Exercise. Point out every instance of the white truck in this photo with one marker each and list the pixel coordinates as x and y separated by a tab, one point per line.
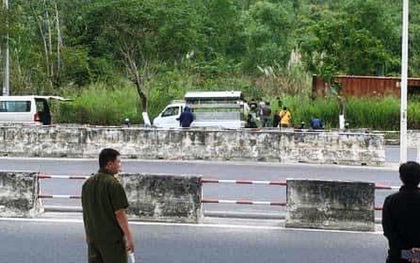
221	109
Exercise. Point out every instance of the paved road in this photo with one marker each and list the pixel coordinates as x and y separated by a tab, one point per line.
218	170
63	242
392	154
217	240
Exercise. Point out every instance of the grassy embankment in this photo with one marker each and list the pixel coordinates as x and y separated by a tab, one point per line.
94	106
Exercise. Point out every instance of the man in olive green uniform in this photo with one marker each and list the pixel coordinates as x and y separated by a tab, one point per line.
104	203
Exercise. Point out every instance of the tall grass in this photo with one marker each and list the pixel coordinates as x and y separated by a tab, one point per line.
372	113
304	109
375	113
99	104
102	104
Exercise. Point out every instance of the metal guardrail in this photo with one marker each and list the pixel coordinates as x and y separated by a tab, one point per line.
205	181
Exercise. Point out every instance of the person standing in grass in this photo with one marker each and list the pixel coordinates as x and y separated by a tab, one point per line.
285	117
104	203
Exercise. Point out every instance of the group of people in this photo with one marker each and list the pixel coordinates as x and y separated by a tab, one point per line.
260	116
281	119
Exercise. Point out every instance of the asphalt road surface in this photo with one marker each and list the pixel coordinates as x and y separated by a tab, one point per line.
215	170
62	241
59	237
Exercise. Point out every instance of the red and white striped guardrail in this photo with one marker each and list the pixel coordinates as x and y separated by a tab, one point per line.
241	202
386	187
208	181
282	183
73	177
215	181
60	196
243	182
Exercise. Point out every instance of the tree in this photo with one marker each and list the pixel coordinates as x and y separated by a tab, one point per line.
352	41
135	34
266	28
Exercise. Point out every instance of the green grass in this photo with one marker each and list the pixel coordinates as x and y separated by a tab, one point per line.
372	113
101	104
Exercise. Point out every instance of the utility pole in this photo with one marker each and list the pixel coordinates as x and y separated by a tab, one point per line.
404	76
6	66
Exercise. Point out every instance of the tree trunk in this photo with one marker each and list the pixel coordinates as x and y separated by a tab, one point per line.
44	41
143	98
59	46
139	85
132	68
48	23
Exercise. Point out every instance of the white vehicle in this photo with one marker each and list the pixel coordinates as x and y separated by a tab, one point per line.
26	109
223	109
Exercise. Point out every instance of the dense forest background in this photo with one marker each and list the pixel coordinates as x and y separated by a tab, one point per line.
160	48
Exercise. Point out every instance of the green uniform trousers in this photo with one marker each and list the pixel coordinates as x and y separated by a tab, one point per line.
107	253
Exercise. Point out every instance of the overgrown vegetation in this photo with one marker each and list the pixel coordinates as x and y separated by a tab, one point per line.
92	105
118	58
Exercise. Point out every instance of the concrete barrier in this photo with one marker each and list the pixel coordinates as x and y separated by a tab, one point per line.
164	197
413	137
330	205
19	194
194	144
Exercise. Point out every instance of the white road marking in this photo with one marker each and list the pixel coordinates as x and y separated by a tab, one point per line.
203	225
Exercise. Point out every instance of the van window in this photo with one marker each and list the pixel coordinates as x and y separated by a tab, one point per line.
171	111
15	106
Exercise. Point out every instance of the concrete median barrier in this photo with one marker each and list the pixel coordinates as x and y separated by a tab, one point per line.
19	194
164	197
194	144
330	205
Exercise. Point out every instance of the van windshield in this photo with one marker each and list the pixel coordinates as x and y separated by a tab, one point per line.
15	106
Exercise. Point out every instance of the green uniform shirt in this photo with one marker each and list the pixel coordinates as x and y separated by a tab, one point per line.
102	195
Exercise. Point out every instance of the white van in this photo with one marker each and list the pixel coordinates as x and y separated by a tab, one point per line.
223	109
26	109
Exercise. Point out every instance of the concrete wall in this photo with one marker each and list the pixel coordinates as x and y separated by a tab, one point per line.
18	194
330	205
413	137
163	197
194	144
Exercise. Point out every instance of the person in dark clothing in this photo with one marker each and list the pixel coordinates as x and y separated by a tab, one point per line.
401	214
276	119
266	114
316	124
250	122
104	204
186	118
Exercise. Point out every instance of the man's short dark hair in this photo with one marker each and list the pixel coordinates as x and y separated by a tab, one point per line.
410	173
107	155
